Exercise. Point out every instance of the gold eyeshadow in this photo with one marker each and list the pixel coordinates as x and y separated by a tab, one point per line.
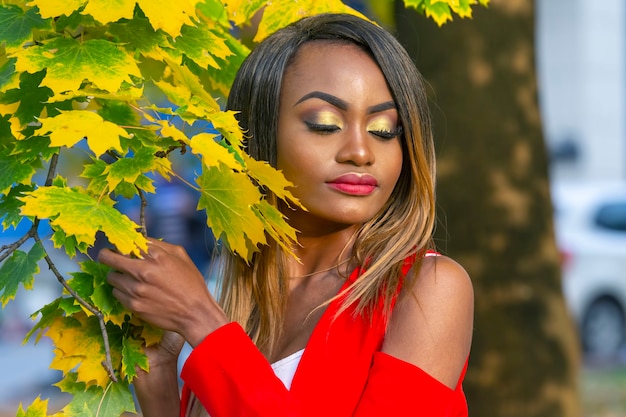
382	124
327	118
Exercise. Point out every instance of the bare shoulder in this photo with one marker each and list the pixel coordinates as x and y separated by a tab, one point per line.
431	325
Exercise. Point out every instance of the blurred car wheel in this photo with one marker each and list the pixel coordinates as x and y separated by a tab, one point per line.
602	329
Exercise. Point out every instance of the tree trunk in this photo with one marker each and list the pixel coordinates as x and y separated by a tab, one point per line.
495	213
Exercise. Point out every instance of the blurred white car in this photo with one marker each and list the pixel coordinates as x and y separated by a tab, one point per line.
590	225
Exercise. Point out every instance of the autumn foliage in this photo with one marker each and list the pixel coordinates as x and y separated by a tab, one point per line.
120	85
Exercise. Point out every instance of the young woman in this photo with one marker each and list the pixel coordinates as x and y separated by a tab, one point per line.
369	321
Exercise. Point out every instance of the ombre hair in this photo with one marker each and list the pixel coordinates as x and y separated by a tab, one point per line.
255	294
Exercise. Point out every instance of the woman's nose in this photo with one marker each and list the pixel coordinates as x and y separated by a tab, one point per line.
356	148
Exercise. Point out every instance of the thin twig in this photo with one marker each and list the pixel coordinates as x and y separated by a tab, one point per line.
142	211
107	363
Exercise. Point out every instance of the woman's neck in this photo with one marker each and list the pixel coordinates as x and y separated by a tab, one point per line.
319	253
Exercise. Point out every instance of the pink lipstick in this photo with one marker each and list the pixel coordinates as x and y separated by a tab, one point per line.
354	184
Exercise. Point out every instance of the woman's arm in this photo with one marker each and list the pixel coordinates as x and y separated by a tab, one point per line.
157	391
432	323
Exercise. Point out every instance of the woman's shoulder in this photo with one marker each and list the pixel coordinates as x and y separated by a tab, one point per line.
431	325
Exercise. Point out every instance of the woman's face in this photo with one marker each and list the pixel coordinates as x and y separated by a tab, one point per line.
338	136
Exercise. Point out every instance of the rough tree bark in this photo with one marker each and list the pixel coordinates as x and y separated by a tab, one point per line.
494	206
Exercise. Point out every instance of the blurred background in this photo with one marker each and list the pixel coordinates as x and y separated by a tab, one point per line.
580	64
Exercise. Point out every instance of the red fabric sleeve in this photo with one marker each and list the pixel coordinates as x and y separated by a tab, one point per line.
398	388
231	378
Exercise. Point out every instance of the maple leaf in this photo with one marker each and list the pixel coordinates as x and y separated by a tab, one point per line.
105	11
30	96
276	225
78	346
110	400
54	8
97	60
81	215
202	45
10	205
226	123
17	25
38	408
130	169
133	357
280	13
137	35
270	177
14	170
227	198
20	268
212	152
220	80
70	127
240	11
169	15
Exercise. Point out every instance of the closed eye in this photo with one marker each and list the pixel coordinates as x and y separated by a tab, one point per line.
387	134
322	128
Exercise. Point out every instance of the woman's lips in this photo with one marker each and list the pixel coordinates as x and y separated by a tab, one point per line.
354	184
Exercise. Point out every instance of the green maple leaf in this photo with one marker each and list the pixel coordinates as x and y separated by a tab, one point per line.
7	71
130	169
227	198
137	35
15	170
112	401
133	357
70	127
37	408
82	215
241	11
30	95
219	80
202	45
17	25
214	11
10	205
20	268
69	62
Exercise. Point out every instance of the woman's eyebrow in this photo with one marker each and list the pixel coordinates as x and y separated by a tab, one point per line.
389	105
343	105
329	98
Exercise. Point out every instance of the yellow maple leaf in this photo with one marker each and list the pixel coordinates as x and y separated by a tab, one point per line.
280	13
55	8
212	153
69	127
79	214
271	178
38	408
169	15
79	347
105	11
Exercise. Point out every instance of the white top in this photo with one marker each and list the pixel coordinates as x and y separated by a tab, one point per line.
285	368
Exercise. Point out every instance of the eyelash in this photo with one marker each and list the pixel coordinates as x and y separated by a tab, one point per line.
322	128
328	129
386	134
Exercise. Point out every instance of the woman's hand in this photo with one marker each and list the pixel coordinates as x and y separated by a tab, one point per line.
165	289
157	390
